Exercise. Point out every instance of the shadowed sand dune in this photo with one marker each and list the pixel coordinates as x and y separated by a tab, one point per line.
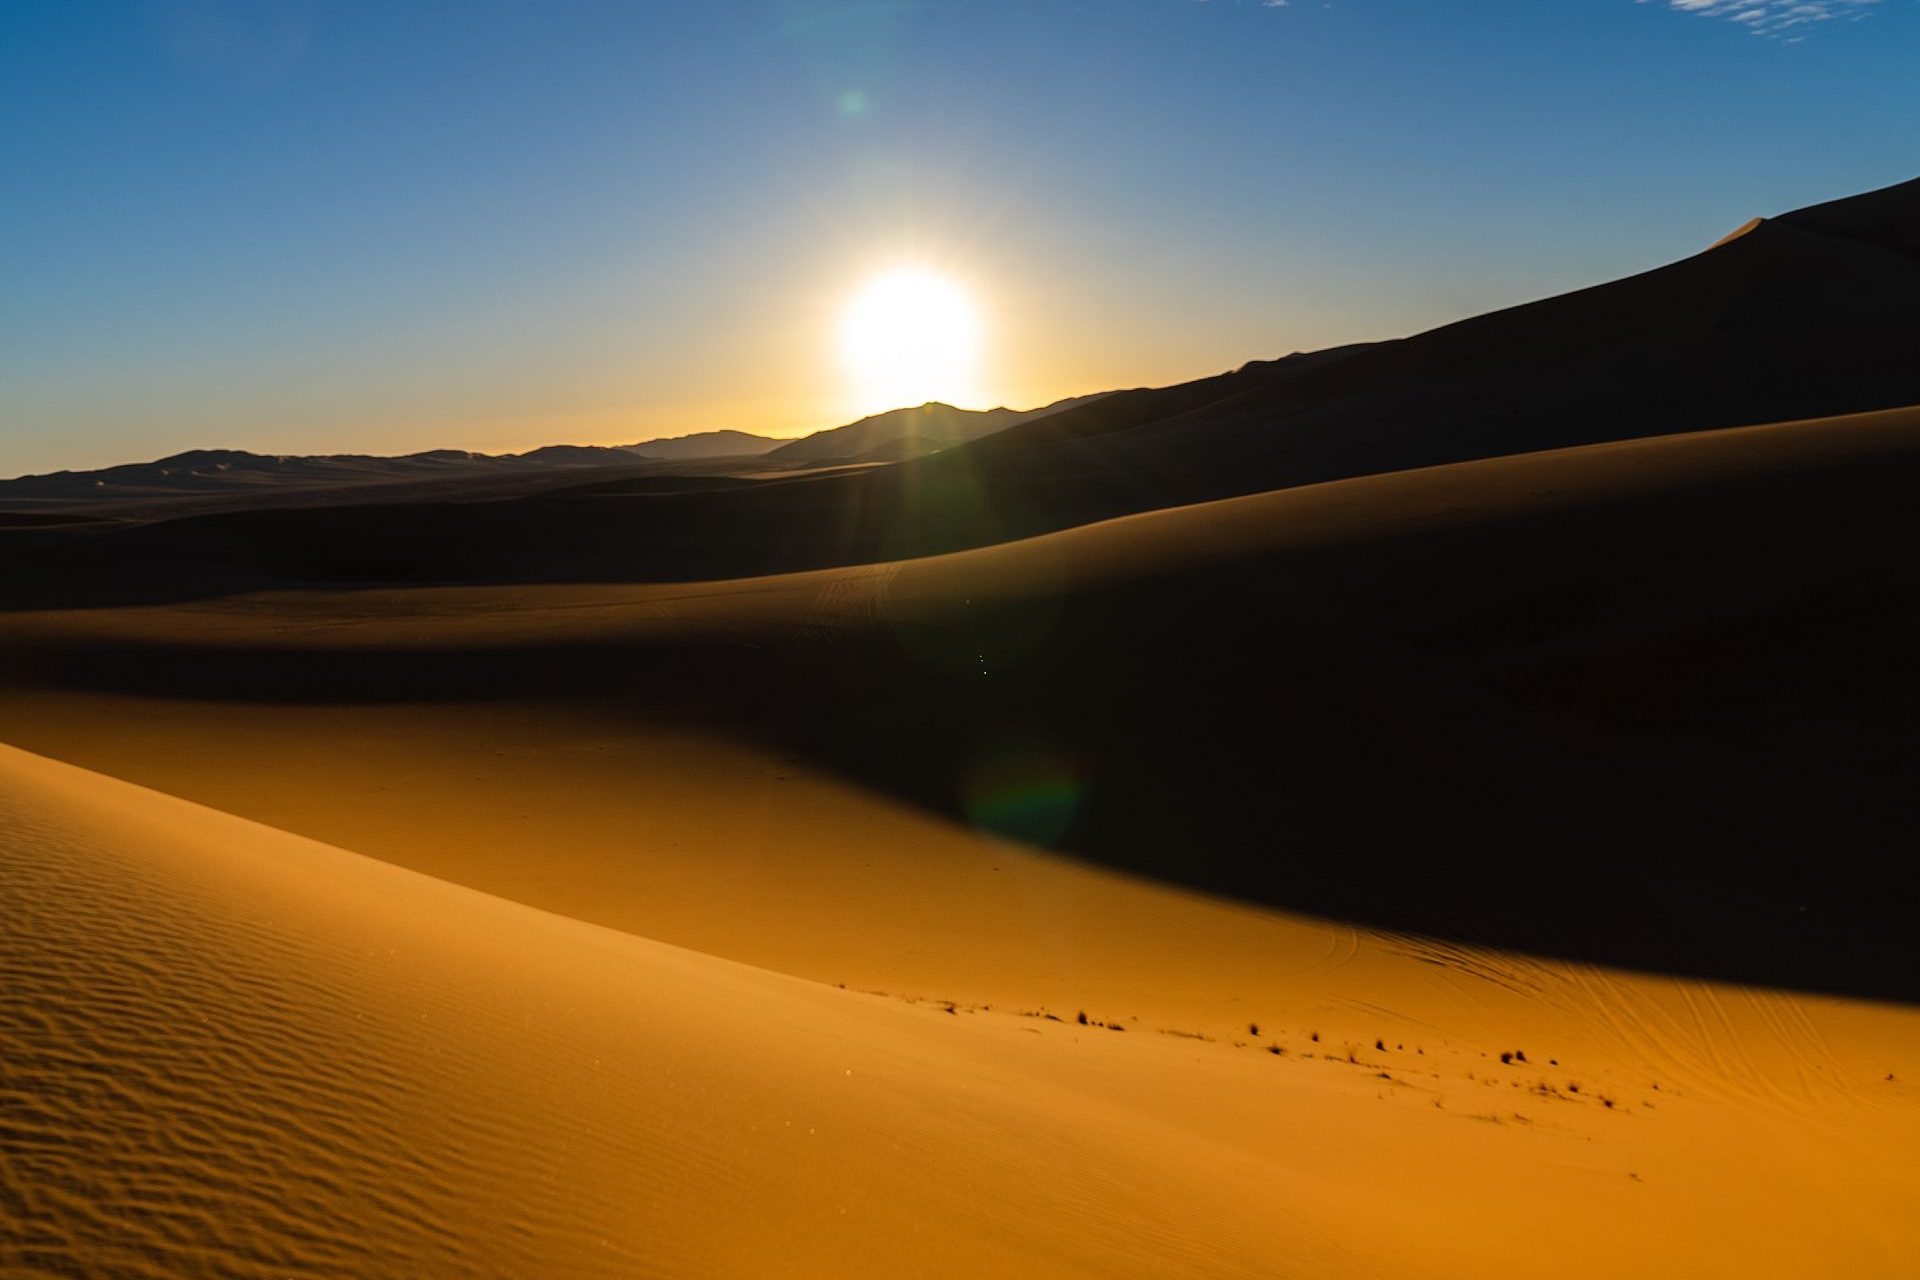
1643	704
234	1052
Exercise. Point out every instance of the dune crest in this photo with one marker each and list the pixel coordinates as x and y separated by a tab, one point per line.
1745	228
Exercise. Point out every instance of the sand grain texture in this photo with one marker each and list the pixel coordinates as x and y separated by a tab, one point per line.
234	1052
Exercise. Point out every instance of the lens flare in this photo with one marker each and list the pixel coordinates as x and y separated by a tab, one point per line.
1024	789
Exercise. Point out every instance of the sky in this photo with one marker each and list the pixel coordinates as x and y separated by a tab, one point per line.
297	226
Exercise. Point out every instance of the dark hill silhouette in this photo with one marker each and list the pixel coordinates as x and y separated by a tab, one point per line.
226	471
907	433
1809	314
886	437
706	444
1889	217
576	455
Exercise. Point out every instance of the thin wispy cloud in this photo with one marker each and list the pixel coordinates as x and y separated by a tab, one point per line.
1783	19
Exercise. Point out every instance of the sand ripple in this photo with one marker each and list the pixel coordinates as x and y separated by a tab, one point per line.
184	1091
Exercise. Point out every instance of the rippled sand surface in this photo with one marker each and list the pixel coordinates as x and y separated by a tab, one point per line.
228	1051
233	1052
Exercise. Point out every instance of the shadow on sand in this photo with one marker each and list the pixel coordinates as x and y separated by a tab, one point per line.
1671	733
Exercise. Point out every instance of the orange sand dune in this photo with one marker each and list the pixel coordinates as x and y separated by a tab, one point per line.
231	1051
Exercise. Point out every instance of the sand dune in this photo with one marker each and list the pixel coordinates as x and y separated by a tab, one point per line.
235	1052
232	1052
683	932
1540	705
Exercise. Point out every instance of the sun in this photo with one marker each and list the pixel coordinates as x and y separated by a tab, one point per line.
909	336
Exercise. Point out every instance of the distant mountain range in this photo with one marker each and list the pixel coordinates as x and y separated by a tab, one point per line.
706	444
228	470
885	437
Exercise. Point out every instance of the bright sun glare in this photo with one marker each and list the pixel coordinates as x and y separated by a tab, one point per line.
910	336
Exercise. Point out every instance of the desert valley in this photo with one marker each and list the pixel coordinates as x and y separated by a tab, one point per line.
1435	807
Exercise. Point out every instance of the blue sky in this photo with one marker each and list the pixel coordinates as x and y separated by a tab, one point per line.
299	226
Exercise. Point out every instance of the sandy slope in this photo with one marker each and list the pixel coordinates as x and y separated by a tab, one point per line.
638	755
236	1052
231	1051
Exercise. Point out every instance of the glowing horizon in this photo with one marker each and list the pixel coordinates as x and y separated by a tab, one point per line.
910	335
293	228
